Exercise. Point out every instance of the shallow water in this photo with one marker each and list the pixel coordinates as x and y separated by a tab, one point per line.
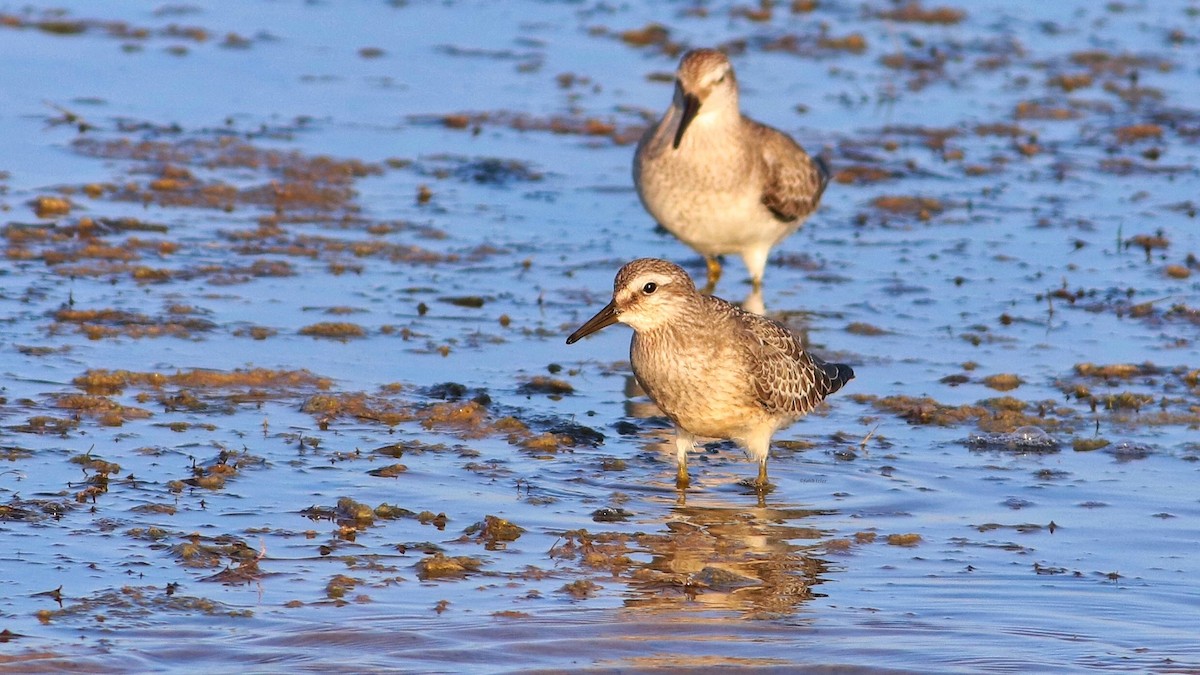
248	307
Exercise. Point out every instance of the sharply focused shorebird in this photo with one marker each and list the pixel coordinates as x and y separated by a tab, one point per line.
719	181
713	368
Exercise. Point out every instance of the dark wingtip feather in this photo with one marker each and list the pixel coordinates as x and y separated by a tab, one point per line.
824	175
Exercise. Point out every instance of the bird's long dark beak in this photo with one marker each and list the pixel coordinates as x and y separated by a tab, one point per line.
603	319
691	106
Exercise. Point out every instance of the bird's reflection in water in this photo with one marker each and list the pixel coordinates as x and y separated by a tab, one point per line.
753	302
758	561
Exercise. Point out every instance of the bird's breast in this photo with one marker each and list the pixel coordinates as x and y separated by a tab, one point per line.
699	383
708	191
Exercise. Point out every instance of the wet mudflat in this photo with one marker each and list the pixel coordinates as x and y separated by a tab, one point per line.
286	286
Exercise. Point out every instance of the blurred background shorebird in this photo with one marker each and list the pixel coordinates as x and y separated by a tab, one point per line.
716	179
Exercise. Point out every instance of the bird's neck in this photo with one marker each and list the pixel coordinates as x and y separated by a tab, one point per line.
710	123
670	326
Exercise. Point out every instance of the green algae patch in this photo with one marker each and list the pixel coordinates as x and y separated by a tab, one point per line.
50	206
839	545
1089	444
613	464
255	332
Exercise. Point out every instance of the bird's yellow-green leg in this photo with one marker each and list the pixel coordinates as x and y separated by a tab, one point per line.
684	443
756	264
714	273
681	478
758	446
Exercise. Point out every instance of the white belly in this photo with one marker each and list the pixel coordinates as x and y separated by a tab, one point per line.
715	208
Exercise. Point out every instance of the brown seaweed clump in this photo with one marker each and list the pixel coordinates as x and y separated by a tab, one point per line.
494	532
1002	381
922	208
913	12
107	412
51	207
329	407
1136	394
334	330
1003	414
98	324
549	386
249	382
205	552
213	474
441	566
591	127
299	183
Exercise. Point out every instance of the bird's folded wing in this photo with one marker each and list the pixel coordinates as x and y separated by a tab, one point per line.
794	181
784	377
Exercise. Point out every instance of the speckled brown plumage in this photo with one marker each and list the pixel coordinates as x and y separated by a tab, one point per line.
794	181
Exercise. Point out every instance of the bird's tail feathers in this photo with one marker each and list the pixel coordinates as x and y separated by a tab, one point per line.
838	373
823	173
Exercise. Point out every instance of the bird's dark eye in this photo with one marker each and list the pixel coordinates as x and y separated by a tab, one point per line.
721	80
650	287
